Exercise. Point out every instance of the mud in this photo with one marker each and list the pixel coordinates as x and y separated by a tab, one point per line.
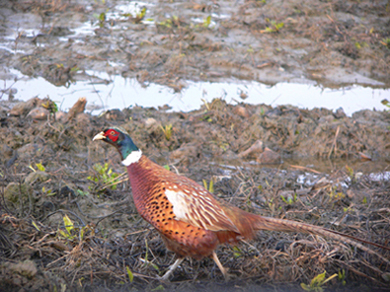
333	43
67	219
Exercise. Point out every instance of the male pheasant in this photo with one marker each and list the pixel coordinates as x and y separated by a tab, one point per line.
191	221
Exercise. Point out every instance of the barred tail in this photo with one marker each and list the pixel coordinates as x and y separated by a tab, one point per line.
274	224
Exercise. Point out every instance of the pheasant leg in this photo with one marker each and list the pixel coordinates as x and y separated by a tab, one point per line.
172	268
223	270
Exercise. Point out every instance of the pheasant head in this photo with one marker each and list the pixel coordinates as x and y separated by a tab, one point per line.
117	137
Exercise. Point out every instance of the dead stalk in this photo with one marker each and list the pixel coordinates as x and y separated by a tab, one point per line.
333	148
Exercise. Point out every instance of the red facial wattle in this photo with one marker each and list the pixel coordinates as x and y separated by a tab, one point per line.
112	135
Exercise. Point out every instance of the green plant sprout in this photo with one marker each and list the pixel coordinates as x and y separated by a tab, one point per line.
104	175
336	195
71	232
81	193
317	282
167	130
350	171
51	106
341	277
39	166
146	261
237	252
386	103
169	22
102	19
275	27
48	192
207	21
166	23
289	200
138	17
209	187
386	42
130	274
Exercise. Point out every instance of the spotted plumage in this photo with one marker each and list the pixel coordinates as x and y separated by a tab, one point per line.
191	221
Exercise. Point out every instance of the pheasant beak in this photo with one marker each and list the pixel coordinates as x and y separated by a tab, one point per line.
99	136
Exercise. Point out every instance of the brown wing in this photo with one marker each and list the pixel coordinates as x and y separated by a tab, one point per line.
194	205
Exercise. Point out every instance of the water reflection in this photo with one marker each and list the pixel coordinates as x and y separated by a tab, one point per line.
105	91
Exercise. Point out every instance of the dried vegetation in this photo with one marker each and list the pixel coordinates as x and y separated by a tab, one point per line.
45	176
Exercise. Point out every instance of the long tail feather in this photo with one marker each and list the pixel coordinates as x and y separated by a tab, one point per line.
274	224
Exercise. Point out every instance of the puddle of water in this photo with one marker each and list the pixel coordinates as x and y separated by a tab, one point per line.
121	93
28	33
10	50
86	28
374	170
121	12
199	20
382	176
310	170
309	179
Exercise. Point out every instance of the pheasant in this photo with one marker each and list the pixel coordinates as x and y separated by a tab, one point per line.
190	220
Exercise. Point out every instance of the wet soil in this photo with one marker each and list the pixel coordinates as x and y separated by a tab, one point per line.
67	219
332	43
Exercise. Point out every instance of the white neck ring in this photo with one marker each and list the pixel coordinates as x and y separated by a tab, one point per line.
133	157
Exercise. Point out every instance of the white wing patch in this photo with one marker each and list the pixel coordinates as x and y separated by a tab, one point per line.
199	209
178	202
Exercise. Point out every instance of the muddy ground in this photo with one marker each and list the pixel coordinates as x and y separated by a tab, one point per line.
317	166
51	168
334	43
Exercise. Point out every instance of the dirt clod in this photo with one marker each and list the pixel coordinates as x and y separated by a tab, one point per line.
26	268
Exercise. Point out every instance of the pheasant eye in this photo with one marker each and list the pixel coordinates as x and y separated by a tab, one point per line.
113	135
